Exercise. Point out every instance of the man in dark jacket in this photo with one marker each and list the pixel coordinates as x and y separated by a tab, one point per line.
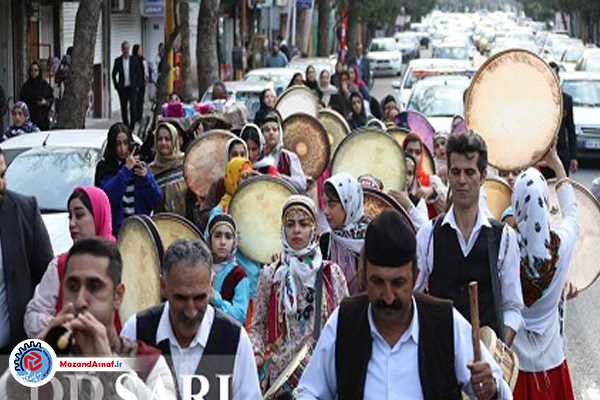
127	77
25	252
362	63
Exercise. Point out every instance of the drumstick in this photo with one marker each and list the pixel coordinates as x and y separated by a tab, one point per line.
473	297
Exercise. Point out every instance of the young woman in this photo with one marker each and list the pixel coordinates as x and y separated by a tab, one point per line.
267	104
129	184
167	168
289	289
39	96
235	169
236	147
230	284
255	142
21	122
297	79
344	211
311	81
358	116
417	207
357	84
440	139
326	87
89	216
545	257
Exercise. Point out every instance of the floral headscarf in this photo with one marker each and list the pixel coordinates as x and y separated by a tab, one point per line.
173	160
233	173
537	243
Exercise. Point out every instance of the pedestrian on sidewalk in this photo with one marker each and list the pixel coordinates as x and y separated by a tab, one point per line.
38	95
127	73
141	89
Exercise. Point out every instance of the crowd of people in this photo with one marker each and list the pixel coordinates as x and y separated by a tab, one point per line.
383	304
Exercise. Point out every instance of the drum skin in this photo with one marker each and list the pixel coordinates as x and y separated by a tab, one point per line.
515	103
205	161
298	98
304	135
371	152
141	251
584	268
375	202
290	377
256	208
336	126
173	226
499	196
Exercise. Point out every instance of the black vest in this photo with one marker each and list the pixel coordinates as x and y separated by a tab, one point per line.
436	348
452	273
218	357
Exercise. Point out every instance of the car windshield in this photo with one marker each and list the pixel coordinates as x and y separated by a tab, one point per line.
455	53
251	100
439	100
584	93
383	46
64	169
573	54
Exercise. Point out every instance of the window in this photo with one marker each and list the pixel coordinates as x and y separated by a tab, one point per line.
120	6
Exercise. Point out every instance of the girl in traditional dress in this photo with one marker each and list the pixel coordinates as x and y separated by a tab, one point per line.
289	289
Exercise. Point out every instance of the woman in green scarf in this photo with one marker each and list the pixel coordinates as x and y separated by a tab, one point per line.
167	168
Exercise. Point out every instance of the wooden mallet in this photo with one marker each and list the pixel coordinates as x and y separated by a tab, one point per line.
474	300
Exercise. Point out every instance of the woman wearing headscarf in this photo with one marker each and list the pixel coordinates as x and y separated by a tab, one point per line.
358	117
291	289
89	216
21	122
344	210
38	95
255	142
129	184
326	87
297	79
431	187
357	84
230	283
311	81
546	253
167	168
267	104
236	168
440	139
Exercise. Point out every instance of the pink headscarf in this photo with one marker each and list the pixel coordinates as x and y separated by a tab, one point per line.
100	210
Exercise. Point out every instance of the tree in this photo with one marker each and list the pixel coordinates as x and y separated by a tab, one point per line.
74	104
183	21
324	11
206	49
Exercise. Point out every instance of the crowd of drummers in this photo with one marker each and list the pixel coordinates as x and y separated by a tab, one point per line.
353	306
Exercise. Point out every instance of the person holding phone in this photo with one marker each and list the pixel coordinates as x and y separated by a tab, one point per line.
129	184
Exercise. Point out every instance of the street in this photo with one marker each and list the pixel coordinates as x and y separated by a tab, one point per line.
582	345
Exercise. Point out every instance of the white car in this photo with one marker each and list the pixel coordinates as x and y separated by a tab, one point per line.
409	45
589	61
320	64
439	98
280	78
572	55
243	92
584	88
385	57
424	67
49	165
453	50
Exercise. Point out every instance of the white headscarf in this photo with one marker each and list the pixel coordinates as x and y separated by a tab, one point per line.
352	234
271	159
530	205
298	268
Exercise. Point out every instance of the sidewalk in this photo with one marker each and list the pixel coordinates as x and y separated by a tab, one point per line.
102	123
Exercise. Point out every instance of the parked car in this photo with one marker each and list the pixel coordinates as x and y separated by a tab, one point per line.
49	165
584	87
440	98
278	77
572	55
320	63
385	57
425	67
409	45
589	61
243	92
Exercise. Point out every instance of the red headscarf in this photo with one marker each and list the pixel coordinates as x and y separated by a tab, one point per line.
358	81
422	176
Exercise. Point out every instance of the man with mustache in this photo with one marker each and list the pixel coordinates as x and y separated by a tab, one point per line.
391	343
196	338
465	245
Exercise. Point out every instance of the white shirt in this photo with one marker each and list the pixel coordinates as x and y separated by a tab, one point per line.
297	177
127	81
186	359
508	262
539	344
4	319
419	215
393	372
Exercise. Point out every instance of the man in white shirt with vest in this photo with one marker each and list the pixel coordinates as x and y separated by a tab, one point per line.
393	344
207	351
465	245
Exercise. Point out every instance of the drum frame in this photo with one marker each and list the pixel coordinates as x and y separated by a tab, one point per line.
323	134
391	202
293	89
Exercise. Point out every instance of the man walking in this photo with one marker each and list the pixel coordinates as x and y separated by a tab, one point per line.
127	77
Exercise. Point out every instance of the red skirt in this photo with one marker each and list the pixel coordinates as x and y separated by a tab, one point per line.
555	384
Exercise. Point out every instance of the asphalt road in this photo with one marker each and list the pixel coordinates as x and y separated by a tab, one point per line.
583	320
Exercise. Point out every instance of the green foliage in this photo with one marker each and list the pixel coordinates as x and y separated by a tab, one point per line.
382	14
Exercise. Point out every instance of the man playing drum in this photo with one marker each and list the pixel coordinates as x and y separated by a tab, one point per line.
196	338
394	343
464	245
292	289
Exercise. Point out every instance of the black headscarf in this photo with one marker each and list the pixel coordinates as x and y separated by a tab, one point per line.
313	85
110	164
357	120
294	78
264	109
33	90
